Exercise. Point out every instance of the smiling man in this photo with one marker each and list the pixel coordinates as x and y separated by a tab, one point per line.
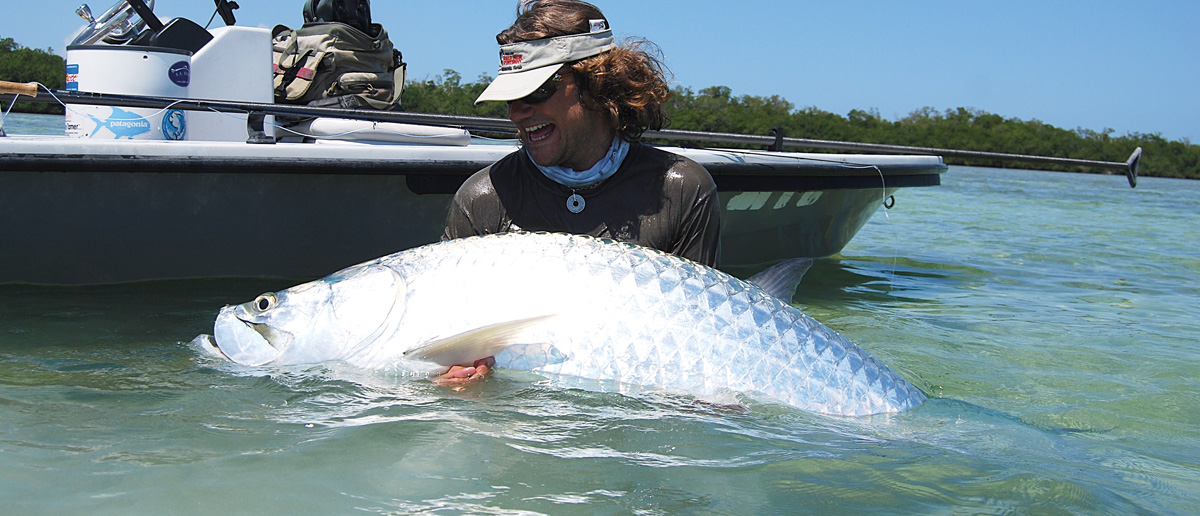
581	103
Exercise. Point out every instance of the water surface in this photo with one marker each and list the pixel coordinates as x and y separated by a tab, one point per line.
32	123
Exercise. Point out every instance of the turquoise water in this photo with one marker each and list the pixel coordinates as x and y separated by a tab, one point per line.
29	123
1050	317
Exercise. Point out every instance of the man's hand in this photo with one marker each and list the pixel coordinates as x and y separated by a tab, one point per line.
458	376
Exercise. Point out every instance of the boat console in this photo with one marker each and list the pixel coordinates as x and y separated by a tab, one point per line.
129	51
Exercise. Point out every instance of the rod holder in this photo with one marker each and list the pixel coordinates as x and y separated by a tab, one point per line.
255	122
777	132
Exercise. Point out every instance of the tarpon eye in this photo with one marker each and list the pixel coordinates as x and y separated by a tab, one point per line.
264	302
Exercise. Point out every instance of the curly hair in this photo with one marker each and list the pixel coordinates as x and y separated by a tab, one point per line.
629	82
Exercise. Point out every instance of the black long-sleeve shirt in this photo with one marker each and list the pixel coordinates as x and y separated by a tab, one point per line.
656	199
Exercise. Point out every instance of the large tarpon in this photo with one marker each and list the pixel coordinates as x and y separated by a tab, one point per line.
580	310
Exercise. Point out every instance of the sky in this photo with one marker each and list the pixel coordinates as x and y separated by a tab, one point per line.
1132	67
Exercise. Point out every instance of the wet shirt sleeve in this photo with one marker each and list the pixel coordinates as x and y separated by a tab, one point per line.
698	226
475	209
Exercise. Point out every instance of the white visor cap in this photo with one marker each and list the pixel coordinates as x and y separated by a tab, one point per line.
526	65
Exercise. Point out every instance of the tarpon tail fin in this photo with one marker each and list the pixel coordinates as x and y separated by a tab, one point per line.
780	280
467	347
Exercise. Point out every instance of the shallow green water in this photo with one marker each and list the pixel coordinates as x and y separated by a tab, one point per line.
1051	317
29	123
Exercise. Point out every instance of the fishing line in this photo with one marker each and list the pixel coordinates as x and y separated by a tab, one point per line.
887	215
5	114
211	18
168	107
374	125
891	279
846	164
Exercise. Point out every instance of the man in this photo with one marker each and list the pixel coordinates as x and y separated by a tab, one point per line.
580	104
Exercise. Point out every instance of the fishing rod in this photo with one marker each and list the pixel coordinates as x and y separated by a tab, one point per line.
55	96
777	142
257	111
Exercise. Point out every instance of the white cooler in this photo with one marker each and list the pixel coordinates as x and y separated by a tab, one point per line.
127	70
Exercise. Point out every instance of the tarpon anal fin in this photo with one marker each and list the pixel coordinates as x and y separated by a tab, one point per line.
467	347
780	280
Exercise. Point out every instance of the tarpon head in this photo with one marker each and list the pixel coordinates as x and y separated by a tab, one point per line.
313	322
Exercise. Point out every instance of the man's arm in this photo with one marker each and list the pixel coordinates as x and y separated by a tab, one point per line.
474	210
699	235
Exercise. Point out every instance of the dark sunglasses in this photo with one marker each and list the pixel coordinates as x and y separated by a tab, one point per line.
545	91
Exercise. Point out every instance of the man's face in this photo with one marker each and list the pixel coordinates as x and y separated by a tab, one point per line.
560	131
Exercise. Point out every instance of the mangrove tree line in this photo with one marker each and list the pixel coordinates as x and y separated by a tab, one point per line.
20	64
717	109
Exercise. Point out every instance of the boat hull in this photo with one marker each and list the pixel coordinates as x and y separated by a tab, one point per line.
77	214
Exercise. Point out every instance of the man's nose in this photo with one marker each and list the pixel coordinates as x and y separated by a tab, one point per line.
518	110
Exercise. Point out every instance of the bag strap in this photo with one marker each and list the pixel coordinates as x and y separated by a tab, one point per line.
398	77
286	75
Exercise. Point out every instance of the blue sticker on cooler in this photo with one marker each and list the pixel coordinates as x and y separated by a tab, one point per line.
174	125
122	124
73	77
180	73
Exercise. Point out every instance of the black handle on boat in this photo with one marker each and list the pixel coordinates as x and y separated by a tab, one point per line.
1130	166
226	8
146	14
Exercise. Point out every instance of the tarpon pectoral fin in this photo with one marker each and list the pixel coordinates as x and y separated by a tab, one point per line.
467	347
780	280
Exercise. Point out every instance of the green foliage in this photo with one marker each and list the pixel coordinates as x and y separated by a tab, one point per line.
20	64
447	95
717	109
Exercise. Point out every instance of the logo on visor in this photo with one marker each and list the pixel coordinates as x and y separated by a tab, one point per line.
511	60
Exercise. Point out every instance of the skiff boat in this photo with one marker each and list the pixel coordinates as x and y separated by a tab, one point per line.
170	166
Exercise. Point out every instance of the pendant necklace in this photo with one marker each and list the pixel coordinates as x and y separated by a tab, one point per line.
603	169
575	202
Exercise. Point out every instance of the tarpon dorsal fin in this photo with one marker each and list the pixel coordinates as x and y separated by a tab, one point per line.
467	347
780	280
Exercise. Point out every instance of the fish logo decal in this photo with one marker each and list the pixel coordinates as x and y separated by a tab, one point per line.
122	124
174	125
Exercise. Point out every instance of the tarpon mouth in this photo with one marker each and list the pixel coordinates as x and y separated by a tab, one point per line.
279	340
207	344
238	338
